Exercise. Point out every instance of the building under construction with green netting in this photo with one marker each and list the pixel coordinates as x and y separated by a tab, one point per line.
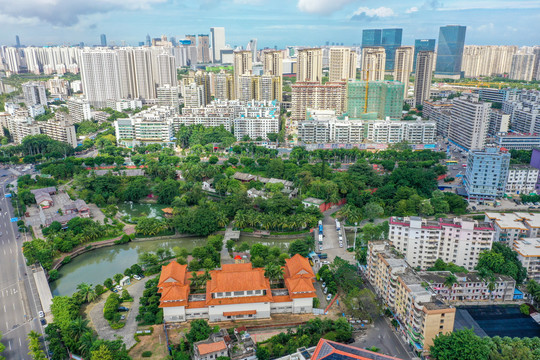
384	98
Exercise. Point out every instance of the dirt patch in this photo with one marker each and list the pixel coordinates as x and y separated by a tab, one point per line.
156	343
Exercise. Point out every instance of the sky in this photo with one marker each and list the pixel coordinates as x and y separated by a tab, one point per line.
273	22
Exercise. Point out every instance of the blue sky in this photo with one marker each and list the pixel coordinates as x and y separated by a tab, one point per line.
272	22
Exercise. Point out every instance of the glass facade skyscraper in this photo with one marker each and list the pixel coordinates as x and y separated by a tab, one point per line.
385	99
391	40
422	45
103	38
371	37
450	50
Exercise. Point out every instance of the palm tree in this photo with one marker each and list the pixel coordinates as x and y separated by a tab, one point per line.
77	328
491	286
84	290
273	272
85	343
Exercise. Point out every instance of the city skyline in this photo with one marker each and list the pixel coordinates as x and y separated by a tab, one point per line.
301	22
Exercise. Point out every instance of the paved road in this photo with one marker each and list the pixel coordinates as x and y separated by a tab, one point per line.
19	302
102	326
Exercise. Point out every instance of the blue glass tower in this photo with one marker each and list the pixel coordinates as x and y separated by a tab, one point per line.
391	40
371	37
422	45
103	40
450	50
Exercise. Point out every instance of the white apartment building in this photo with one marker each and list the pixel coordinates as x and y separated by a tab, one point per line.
521	179
79	109
224	86
309	65
256	125
20	127
523	67
34	93
58	87
498	122
60	130
528	250
168	96
193	95
391	132
342	64
517	141
403	66
324	127
154	125
470	122
481	60
124	104
36	110
510	227
456	240
312	95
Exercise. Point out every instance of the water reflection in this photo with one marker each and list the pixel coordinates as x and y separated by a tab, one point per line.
97	265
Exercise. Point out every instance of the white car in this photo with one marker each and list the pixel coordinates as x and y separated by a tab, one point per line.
118	287
323	284
329	297
320	247
41	314
341	244
136	277
325	290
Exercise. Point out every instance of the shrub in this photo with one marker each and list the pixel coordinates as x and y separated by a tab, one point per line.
118	325
111	306
53	275
525	309
146	354
66	260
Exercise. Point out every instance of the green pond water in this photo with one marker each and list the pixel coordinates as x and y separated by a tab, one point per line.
97	265
137	210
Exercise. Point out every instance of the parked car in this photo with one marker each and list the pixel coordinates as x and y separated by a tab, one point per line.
43	322
324	284
341	244
114	290
136	277
118	287
123	308
41	314
328	297
123	317
325	290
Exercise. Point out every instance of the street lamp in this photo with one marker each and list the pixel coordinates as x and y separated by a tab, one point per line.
355	230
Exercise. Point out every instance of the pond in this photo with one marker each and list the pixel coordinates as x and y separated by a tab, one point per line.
132	210
97	265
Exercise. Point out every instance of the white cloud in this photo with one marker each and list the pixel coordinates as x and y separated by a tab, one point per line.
67	12
364	13
323	7
411	10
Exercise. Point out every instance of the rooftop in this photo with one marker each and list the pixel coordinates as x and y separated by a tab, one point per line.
507	220
208	348
331	350
528	247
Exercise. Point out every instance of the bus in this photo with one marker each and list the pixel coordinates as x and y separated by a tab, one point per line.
450	162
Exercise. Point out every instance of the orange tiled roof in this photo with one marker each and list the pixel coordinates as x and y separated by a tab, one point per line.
211	348
237	277
173	271
235	313
282	298
299	285
298	266
175	293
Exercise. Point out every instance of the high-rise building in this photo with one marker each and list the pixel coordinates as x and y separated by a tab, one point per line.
391	40
424	73
423	241
224	86
168	96
166	70
204	48
487	173
252	46
243	65
204	79
79	109
313	95
384	99
403	66
271	88
34	93
371	37
522	67
470	122
450	51
148	40
487	60
103	38
422	45
192	39
17	41
218	42
340	67
309	65
373	63
272	62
